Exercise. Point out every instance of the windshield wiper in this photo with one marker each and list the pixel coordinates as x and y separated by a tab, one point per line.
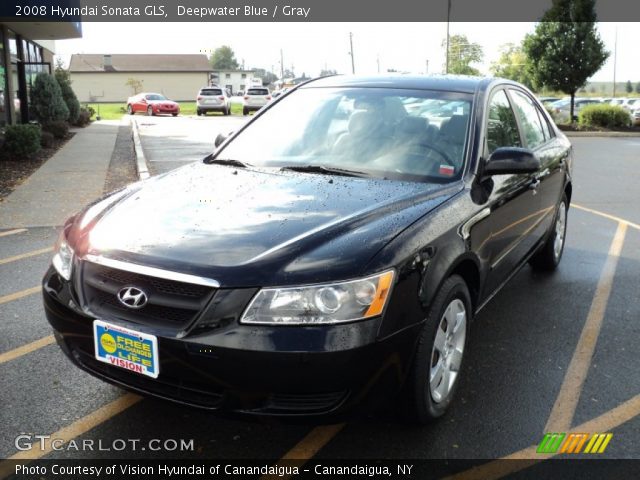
324	170
225	161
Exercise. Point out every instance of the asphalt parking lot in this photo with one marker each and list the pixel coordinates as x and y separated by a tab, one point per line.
550	353
169	142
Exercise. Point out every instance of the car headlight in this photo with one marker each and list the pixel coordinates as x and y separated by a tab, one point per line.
321	304
63	256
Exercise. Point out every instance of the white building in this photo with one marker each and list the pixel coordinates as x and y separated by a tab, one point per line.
234	80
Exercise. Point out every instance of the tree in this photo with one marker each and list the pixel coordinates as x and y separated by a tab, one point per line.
223	58
565	49
266	77
638	87
512	64
629	87
68	95
136	84
61	73
47	103
462	54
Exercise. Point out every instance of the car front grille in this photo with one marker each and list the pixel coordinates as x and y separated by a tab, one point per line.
171	304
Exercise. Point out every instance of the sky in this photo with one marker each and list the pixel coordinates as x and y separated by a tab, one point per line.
311	47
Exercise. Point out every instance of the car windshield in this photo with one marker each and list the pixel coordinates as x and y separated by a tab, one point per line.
411	135
210	92
258	91
155	96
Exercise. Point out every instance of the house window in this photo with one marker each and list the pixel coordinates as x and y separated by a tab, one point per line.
227	75
244	75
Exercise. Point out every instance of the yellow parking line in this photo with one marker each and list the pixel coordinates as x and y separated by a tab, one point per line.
23	350
22	293
25	255
606	215
565	405
77	428
528	456
12	232
307	448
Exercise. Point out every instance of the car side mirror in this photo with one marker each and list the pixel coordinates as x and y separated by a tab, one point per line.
221	138
144	100
511	160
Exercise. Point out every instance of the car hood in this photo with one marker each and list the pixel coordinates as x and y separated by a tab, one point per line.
245	227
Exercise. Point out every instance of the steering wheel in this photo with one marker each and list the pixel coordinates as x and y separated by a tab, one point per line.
440	152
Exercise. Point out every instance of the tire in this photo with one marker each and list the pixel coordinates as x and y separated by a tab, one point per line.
245	111
198	112
435	372
174	114
130	110
548	257
227	111
150	111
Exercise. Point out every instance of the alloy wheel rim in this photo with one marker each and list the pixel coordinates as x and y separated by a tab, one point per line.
561	220
447	351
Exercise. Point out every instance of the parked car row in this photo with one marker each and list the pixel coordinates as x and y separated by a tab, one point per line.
560	108
209	99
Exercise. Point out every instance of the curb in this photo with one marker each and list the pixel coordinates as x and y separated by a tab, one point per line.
569	133
141	161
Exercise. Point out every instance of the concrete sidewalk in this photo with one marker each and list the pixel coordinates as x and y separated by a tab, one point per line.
69	180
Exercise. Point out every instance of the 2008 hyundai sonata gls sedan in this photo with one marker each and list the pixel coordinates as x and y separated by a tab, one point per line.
330	254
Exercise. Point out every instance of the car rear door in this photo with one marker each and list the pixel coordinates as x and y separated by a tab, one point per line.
514	214
551	151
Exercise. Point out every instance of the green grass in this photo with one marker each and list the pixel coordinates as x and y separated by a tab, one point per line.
115	111
108	111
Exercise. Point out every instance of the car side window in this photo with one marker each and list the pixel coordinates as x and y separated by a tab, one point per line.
529	119
502	128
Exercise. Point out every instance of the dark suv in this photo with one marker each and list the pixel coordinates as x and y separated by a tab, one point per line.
330	254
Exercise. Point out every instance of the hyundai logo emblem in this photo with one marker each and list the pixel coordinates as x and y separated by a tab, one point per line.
132	297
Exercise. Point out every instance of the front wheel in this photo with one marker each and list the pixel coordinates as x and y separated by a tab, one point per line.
549	256
129	109
245	111
435	371
174	114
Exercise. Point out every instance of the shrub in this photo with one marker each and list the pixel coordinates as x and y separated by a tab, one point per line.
607	116
58	129
91	110
47	139
84	117
47	103
70	99
22	140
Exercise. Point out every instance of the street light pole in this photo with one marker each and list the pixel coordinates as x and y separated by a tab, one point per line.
281	66
353	63
446	67
615	54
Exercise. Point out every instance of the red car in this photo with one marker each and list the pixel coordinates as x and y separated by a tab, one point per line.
152	104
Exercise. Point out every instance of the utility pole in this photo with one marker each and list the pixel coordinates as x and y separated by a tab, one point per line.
446	67
427	70
353	63
615	54
281	66
378	61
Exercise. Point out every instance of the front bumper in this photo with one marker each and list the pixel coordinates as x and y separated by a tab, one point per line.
256	370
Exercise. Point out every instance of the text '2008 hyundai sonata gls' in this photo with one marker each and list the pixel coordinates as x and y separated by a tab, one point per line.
330	254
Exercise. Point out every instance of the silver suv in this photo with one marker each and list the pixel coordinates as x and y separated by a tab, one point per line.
212	99
255	99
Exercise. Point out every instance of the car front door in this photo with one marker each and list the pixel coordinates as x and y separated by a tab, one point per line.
513	203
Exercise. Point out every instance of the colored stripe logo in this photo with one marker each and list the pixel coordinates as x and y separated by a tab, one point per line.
574	442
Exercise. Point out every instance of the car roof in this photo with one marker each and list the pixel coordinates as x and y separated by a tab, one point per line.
454	83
